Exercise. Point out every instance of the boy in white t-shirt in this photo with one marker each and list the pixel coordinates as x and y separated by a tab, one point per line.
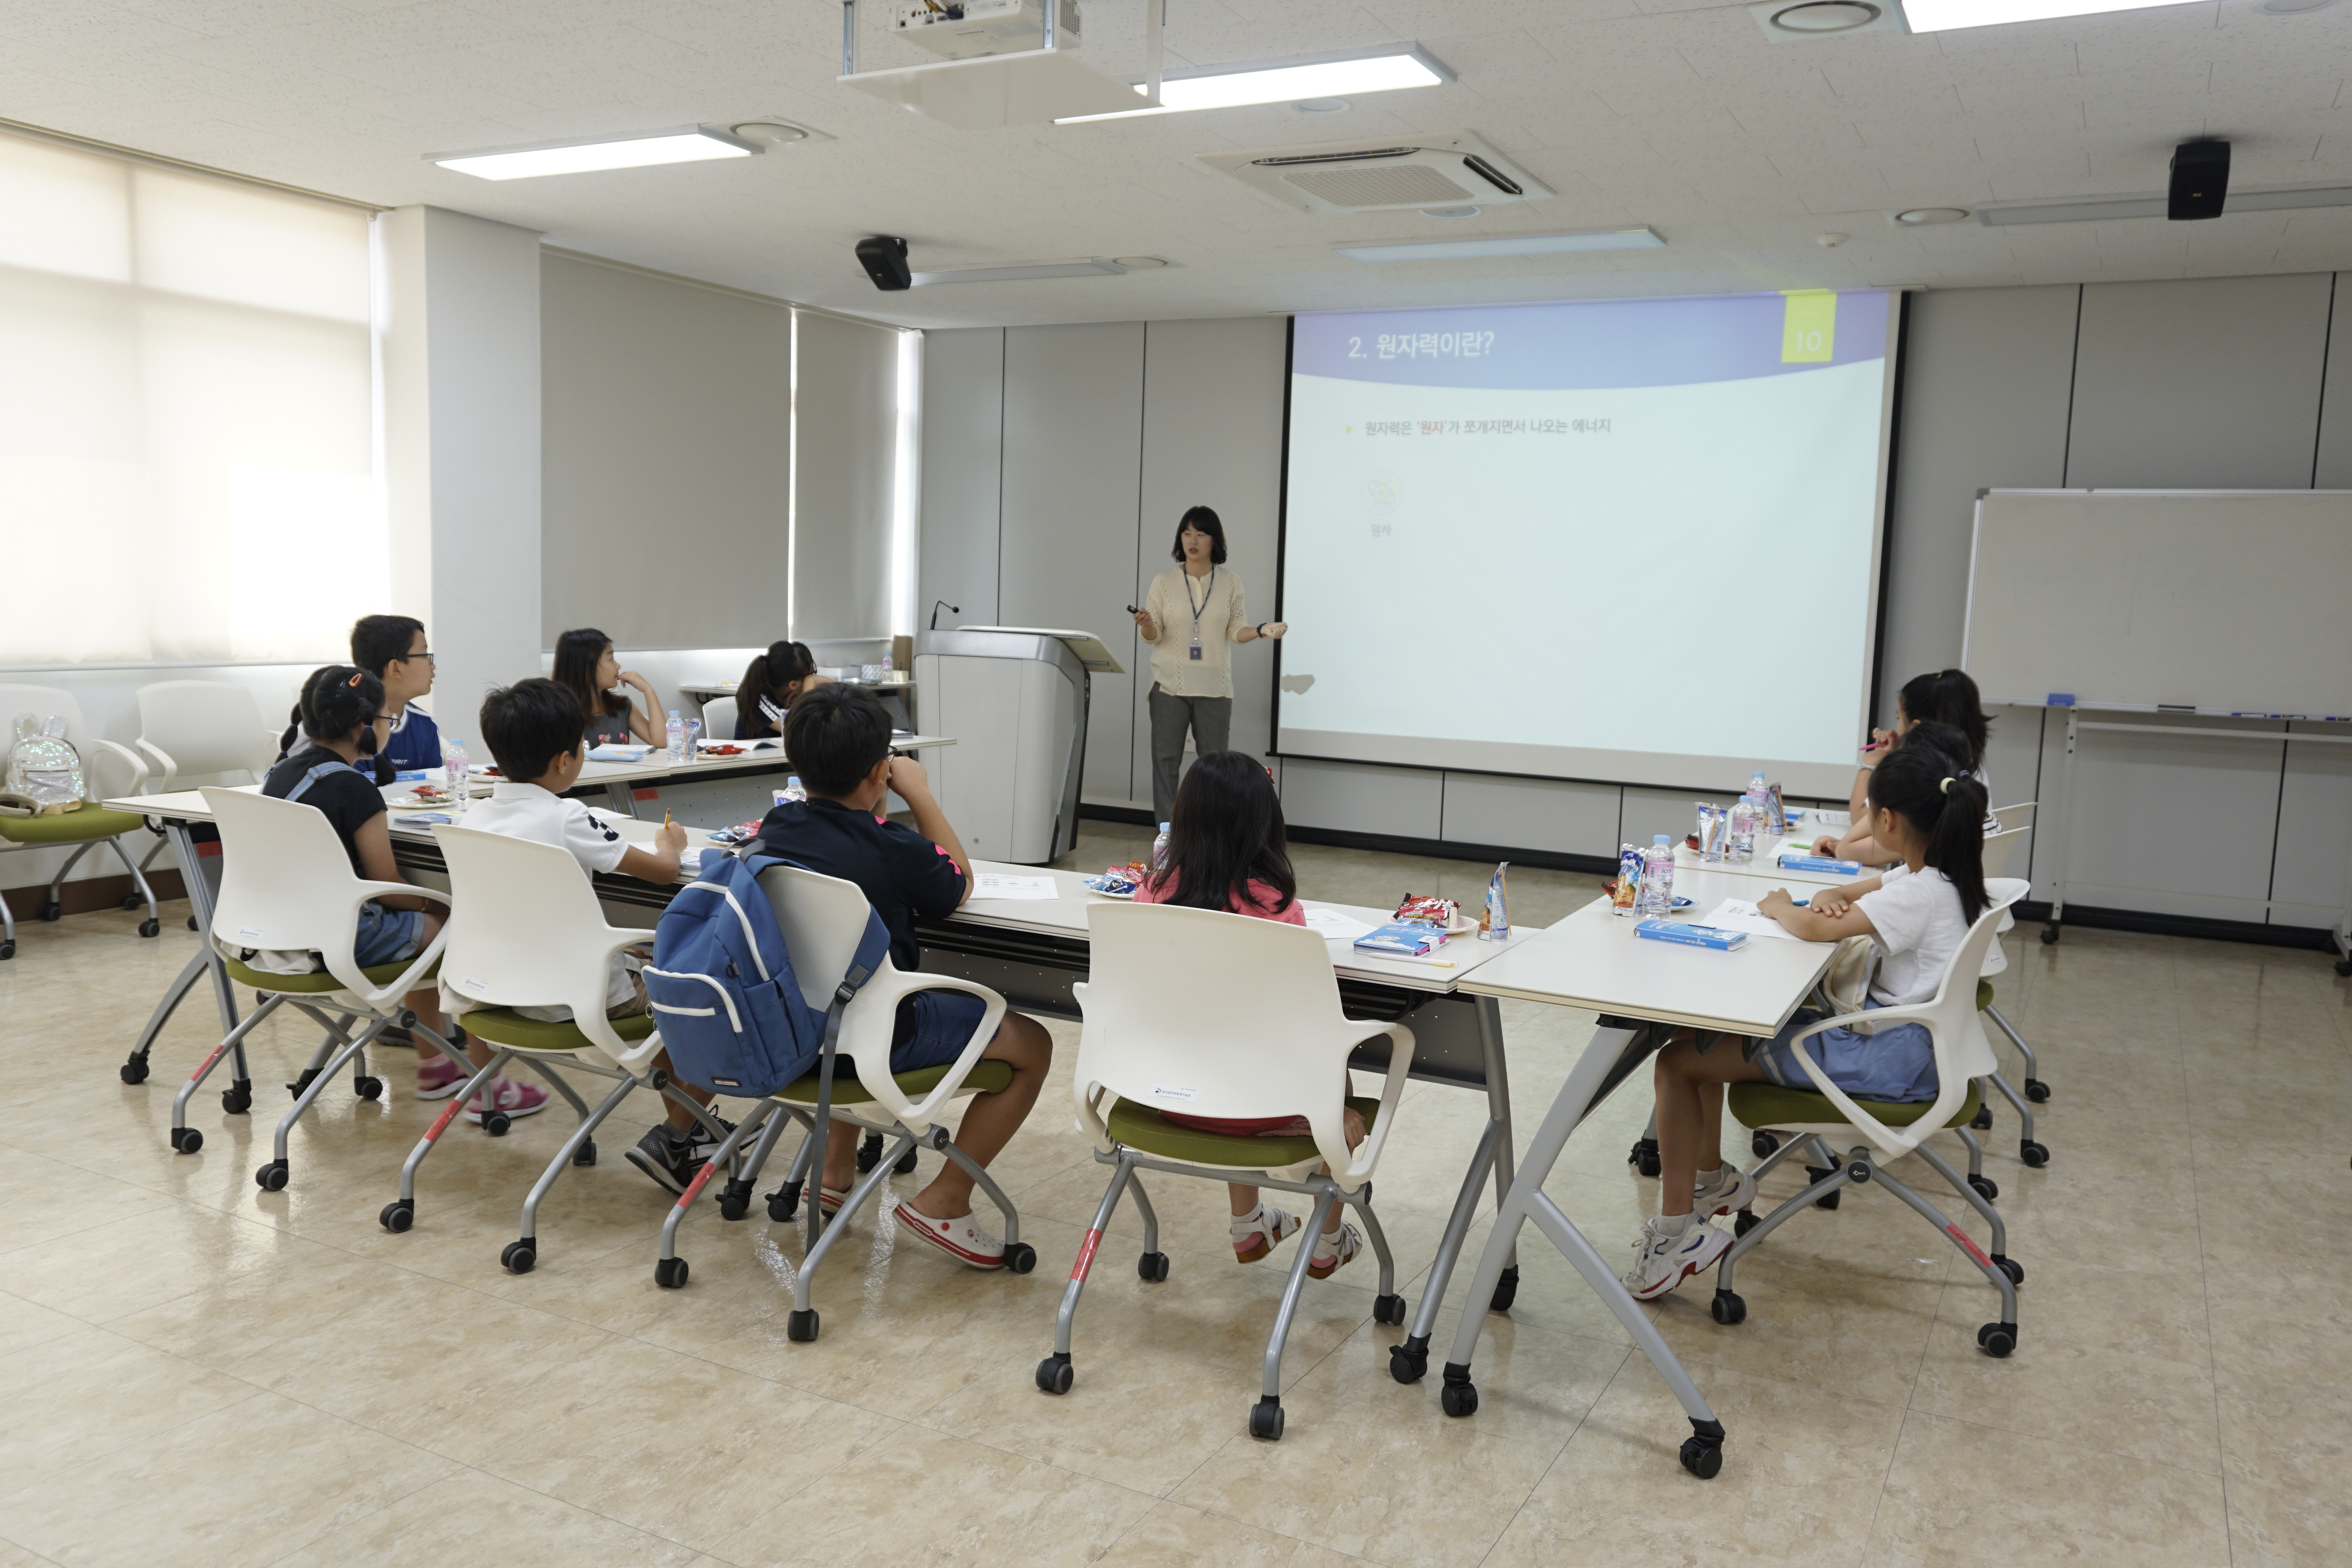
533	727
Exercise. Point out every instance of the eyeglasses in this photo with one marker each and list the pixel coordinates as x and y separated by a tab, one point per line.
426	657
379	719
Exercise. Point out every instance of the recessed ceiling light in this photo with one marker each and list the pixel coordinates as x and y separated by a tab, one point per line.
1141	263
1384	71
1942	15
1341	106
694	145
1449	212
1506	245
771	133
1826	16
1918	217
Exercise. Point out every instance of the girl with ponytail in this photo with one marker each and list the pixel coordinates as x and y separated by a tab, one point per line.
781	674
1926	811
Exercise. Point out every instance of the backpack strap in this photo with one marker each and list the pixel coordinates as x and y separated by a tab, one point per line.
302	784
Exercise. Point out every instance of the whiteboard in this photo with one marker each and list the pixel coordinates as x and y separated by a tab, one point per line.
2223	601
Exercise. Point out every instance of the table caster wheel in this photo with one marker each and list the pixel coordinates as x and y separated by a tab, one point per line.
2344	967
670	1274
192	925
1019	1258
2036	1090
186	1139
869	1152
397	1215
1388	1309
585	1154
496	1123
368	1088
1764	1144
272	1177
1728	1308
2050	936
2011	1266
1743	1221
1507	1290
53	910
151	928
1054	1373
801	1327
1644	1156
785	1202
135	1070
2033	1154
1152	1266
236	1101
1458	1399
1996	1339
1408	1362
1702	1456
735	1200
1987	1188
1265	1420
519	1257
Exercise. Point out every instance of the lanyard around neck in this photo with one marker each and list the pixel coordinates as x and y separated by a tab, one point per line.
1207	594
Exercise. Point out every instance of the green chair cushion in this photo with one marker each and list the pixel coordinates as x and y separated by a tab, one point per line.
1984	994
321	982
1770	1105
1142	1129
67	827
505	1027
988	1076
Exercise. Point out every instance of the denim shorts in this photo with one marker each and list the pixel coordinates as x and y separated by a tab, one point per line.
387	936
1896	1063
932	1028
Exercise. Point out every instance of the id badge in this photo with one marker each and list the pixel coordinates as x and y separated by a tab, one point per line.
1195	654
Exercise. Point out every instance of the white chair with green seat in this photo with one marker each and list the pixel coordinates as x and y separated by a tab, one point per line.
288	886
823	919
1275	1044
526	930
2016	823
79	831
1825	1117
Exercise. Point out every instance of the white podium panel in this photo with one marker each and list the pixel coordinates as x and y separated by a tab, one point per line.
1017	699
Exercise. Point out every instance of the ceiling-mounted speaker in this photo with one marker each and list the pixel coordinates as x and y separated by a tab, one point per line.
2200	179
884	257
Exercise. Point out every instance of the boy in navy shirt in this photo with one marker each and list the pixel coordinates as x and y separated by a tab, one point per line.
838	737
392	648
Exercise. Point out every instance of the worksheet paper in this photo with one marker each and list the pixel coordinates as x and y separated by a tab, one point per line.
1332	926
1736	914
996	885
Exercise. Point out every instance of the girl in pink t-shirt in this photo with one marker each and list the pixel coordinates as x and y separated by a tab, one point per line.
1225	852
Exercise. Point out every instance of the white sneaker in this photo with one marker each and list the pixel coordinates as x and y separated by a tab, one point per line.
1732	1190
1665	1261
960	1238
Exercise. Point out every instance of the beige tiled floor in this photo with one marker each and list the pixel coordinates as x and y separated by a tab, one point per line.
193	1370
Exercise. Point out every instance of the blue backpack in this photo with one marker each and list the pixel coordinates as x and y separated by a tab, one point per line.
722	987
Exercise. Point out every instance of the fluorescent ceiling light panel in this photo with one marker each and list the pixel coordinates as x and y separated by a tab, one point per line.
1506	245
1942	15
1285	84
1017	273
688	146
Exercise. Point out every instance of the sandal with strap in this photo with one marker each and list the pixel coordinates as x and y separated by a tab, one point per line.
1347	1244
1260	1231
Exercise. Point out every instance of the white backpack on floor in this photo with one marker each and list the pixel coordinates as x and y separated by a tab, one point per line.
43	771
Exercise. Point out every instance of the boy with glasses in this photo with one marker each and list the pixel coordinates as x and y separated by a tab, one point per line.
392	648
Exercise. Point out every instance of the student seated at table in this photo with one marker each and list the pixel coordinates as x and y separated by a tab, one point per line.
392	649
1930	816
839	741
1947	697
1226	851
533	729
585	666
343	723
779	675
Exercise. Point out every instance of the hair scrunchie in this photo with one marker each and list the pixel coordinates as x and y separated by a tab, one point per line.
1947	786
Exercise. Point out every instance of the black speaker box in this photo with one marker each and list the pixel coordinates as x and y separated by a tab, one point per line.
2200	179
885	260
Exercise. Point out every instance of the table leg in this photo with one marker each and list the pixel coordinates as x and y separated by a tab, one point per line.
2065	831
1605	1062
1499	1114
200	901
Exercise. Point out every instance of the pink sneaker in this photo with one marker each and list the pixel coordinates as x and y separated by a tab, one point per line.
504	1094
440	1078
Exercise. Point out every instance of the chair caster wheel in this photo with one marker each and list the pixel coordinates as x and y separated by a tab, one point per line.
669	1273
905	1166
302	1081
2036	1090
2033	1154
1728	1308
1764	1144
236	1101
496	1123
1265	1420
192	925
272	1177
369	1087
2345	967
135	1070
2011	1266
1153	1267
1987	1188
1388	1309
1408	1362
1817	1172
397	1216
130	902
1743	1221
1458	1399
735	1200
585	1154
1701	1458
519	1257
2050	936
869	1152
1019	1258
801	1327
1998	1340
1982	1121
9	948
1054	1373
186	1139
1644	1156
785	1202
151	928
1507	1290
53	910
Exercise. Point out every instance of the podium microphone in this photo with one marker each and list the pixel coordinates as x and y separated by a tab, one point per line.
934	612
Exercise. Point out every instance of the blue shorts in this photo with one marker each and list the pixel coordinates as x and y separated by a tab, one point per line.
933	1028
1897	1063
387	936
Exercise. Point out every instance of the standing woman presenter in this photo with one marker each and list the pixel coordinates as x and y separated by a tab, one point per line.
1193	616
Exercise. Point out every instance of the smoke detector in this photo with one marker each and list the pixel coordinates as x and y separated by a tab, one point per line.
1455	168
1797	21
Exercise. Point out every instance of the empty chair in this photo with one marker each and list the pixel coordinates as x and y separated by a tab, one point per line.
1275	1044
719	719
79	831
200	728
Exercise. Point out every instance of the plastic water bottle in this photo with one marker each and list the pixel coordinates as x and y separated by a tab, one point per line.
1746	818
453	768
693	738
1159	849
793	789
1762	793
1656	900
676	731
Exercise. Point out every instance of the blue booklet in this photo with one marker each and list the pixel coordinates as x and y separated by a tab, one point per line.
1402	938
1819	863
1689	935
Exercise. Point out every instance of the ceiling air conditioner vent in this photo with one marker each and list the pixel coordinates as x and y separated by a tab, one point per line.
1440	171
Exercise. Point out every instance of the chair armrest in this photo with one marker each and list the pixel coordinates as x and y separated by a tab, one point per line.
866	1028
170	768
594	1023
1354	1167
342	961
140	772
1087	1098
1891	1141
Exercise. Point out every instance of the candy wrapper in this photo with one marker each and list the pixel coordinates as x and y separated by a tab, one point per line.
1420	909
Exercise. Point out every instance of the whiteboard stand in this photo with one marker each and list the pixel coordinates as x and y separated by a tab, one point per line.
2075	723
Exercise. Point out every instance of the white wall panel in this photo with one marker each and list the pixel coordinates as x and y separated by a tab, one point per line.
1358	797
843	478
963	450
2333	471
1566	819
2314	832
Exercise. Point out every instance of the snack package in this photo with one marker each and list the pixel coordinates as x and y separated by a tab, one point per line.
1776	810
1716	840
1628	884
1427	910
1495	919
